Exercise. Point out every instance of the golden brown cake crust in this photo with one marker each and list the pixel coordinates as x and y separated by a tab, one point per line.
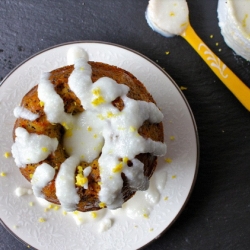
88	197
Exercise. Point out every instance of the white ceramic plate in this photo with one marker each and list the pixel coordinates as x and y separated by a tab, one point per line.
61	232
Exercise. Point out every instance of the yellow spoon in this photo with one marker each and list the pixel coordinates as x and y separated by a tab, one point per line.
170	17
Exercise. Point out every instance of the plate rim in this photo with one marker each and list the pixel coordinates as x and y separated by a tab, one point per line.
172	81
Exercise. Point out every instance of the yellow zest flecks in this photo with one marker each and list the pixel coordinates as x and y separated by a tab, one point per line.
96	91
2	174
132	129
118	168
172	13
95	136
69	133
7	154
211	36
101	117
244	21
125	160
82	68
41	220
80	219
99	147
98	101
172	138
217	44
75	212
168	160
50	206
145	215
183	24
183	88
56	207
41	103
102	205
64	213
81	180
99	98
99	183
31	204
94	215
167	52
89	128
44	149
174	176
151	230
110	114
31	176
65	125
165	198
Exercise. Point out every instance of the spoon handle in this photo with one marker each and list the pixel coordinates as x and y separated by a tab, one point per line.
232	82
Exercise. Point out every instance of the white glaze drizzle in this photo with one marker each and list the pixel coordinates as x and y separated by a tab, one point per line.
65	184
21	112
43	174
31	148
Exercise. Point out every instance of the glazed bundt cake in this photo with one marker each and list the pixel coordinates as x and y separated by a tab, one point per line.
88	136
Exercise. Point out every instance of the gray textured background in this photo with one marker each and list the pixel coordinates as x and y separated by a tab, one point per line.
217	215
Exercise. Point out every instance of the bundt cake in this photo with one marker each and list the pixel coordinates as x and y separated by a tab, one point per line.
88	136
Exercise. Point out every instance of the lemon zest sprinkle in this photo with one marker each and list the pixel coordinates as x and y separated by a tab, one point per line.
64	124
41	220
102	204
244	23
7	154
168	160
41	103
97	101
94	214
125	159
96	91
132	129
118	168
44	149
183	88
3	174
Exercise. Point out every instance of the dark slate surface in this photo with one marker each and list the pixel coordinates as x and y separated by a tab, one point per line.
217	215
